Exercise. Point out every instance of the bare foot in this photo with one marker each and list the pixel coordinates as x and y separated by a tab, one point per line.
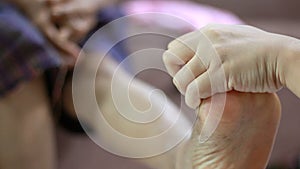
243	139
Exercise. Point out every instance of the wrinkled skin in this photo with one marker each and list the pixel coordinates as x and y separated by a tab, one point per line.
243	139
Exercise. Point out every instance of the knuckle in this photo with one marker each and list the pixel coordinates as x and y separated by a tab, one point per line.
222	52
213	31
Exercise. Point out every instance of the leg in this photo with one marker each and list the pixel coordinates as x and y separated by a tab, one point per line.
26	129
243	139
138	93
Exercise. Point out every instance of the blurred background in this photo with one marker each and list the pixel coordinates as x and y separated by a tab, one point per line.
78	151
279	16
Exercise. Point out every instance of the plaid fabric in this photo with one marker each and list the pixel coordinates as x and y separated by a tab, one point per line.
24	53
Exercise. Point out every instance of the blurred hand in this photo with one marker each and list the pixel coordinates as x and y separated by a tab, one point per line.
39	14
76	16
245	56
68	8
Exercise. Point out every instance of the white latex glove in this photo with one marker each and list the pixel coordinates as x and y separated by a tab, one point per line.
221	58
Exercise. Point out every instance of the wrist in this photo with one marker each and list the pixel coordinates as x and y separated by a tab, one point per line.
288	50
290	59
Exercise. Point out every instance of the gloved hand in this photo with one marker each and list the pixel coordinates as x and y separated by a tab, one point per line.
221	58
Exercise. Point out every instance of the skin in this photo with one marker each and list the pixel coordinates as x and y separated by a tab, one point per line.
243	139
257	122
47	148
75	17
139	92
40	16
26	128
